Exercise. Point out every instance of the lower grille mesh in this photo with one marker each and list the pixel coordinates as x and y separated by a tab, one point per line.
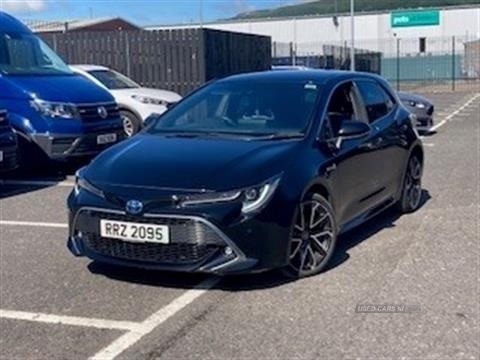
170	254
191	241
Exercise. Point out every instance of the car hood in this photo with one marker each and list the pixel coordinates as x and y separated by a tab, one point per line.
63	88
405	96
149	161
169	96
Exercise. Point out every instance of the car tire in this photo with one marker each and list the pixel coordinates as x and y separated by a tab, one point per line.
313	237
131	123
411	195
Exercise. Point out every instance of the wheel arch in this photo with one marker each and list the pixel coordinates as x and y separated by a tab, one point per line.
123	107
321	187
417	150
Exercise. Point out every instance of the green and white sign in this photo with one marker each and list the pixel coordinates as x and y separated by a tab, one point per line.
415	18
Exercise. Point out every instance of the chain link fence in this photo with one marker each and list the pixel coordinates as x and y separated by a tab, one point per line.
426	64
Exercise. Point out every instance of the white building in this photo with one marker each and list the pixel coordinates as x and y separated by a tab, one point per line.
428	31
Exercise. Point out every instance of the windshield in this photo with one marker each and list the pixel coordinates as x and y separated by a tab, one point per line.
243	107
26	54
113	80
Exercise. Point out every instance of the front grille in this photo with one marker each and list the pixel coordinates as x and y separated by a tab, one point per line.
175	254
191	241
430	110
90	113
181	230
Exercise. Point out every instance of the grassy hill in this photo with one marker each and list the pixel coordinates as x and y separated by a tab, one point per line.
326	7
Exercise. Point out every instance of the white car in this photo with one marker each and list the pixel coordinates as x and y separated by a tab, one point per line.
136	103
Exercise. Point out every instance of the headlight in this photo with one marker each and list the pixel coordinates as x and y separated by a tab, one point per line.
82	183
253	198
210	198
150	100
421	105
55	109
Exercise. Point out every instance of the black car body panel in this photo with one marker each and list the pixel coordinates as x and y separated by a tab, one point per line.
8	145
360	177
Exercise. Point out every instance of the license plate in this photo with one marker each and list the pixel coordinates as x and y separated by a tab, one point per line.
1	156
134	232
106	139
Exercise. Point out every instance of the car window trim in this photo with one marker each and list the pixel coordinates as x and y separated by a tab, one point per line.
325	109
395	103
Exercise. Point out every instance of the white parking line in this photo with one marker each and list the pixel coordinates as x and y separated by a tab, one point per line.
130	338
33	224
37	183
69	320
453	114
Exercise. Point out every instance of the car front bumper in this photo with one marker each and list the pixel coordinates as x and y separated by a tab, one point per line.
424	117
9	157
197	243
65	146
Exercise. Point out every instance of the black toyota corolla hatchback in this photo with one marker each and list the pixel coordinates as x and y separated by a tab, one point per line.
250	173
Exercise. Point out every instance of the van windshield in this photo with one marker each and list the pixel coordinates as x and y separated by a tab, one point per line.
26	54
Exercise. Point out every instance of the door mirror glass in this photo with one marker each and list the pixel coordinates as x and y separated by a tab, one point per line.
353	129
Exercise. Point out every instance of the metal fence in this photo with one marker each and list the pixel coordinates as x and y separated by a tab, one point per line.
178	60
446	63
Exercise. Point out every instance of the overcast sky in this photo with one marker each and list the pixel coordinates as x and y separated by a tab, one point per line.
141	12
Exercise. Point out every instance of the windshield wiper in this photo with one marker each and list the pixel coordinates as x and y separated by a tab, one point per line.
189	135
281	136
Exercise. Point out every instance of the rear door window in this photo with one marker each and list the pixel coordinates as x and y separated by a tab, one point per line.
378	102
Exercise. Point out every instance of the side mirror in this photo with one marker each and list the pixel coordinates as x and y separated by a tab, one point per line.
150	120
171	105
352	130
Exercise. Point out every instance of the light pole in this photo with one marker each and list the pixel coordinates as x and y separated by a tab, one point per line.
352	26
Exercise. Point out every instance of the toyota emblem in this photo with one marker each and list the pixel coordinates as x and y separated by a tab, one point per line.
134	207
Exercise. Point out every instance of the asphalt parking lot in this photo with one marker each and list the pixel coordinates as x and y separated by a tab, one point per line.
55	306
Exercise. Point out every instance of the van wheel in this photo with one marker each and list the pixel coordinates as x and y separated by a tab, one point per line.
131	123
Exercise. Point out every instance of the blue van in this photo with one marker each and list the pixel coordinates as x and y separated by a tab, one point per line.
8	144
53	110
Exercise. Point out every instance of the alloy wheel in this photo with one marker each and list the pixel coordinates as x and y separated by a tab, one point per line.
413	184
313	238
128	126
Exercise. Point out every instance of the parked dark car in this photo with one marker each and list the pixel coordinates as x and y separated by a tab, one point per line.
8	144
250	173
421	107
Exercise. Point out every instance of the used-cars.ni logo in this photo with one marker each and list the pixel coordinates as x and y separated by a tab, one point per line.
134	207
102	112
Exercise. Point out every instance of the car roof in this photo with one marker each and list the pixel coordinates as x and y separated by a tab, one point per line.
86	67
319	76
9	23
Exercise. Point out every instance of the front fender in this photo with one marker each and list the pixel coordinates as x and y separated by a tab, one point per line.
22	125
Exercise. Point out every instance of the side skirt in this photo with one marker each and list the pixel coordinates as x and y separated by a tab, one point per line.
359	220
